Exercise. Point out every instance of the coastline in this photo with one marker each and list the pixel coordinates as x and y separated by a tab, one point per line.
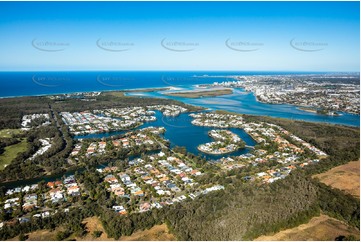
150	89
345	119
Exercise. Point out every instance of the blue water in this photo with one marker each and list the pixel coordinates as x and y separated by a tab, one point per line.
180	132
245	102
40	83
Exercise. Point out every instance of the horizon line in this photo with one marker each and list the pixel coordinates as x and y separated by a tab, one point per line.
183	70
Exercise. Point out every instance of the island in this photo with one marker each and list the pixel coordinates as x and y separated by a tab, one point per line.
226	142
307	109
200	94
319	111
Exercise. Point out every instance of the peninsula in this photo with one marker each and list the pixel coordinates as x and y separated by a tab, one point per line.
200	94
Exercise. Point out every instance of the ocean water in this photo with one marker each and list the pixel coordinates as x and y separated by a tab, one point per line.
41	83
180	131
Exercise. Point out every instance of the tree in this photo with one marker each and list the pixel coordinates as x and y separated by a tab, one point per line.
61	235
23	237
97	233
349	237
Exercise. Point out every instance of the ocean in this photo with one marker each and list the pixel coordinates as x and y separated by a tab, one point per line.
14	84
180	132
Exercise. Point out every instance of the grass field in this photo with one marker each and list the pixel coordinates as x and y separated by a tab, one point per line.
157	233
345	177
8	133
93	224
318	228
115	94
11	152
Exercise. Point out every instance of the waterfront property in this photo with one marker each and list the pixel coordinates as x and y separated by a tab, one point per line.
226	142
315	93
152	181
107	120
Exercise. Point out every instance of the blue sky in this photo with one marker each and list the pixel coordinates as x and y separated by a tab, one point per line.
269	36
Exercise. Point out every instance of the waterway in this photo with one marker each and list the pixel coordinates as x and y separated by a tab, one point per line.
246	103
179	131
13	84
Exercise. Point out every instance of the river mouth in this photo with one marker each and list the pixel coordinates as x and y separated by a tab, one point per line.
244	102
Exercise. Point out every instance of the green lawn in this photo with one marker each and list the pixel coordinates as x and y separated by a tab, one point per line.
8	133
11	152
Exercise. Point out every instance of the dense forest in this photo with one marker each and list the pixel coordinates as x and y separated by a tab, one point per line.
242	212
13	109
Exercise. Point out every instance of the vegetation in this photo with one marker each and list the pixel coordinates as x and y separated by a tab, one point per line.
344	177
11	152
244	211
97	233
320	228
22	237
341	143
9	133
337	204
52	161
349	237
13	109
70	221
110	100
